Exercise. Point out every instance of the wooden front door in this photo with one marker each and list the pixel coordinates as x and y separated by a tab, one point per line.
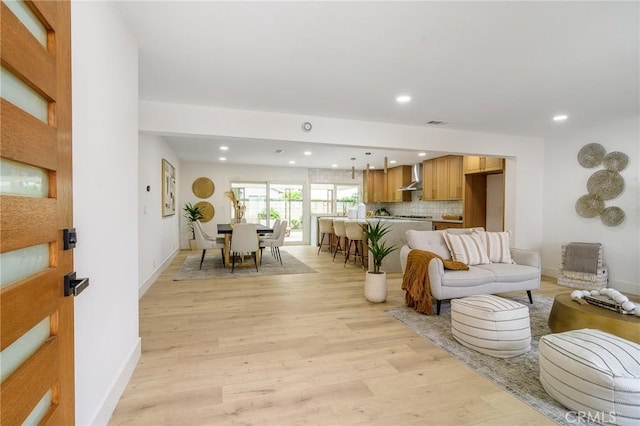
36	320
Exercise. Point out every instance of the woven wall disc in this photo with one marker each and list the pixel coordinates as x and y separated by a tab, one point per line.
591	155
203	187
589	206
616	161
606	184
612	216
206	209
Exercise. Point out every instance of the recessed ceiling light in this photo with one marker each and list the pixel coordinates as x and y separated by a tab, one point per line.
392	161
292	162
560	117
403	99
224	148
307	153
372	167
334	165
422	154
222	158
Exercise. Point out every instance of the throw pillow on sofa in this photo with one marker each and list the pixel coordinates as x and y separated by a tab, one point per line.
467	248
497	245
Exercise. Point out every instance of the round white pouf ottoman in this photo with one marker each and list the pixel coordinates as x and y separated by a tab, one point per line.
593	372
491	325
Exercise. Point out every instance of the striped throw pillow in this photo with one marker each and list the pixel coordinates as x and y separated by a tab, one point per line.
497	244
467	248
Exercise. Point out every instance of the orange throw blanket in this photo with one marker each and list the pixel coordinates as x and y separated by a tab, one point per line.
415	280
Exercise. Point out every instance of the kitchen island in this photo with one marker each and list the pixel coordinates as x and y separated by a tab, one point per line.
397	237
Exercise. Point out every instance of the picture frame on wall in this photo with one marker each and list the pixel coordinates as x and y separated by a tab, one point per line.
168	189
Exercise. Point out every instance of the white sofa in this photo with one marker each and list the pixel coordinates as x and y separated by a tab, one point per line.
523	275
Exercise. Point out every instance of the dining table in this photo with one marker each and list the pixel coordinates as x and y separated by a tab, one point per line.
226	229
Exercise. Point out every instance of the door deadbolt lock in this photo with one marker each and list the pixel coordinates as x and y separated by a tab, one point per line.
70	238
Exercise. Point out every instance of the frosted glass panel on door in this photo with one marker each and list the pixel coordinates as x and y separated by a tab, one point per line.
18	264
28	19
24	97
16	353
39	410
21	179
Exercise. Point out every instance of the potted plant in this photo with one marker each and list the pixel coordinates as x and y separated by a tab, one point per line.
375	285
192	213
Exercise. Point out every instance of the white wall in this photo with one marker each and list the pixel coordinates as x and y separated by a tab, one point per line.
158	237
523	179
565	181
222	175
105	192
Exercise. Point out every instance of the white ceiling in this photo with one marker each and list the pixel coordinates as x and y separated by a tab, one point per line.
498	67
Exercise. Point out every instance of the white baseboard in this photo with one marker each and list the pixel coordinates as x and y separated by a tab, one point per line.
550	272
623	286
149	282
107	407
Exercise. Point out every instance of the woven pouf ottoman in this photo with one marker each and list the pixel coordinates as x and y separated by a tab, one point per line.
491	325
592	372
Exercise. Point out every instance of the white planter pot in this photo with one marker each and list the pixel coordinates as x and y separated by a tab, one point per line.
375	287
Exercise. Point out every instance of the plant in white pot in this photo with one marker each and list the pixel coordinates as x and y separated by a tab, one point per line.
375	285
192	213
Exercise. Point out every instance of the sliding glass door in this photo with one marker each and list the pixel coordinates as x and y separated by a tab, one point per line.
284	201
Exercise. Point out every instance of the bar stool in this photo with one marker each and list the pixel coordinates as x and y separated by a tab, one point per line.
325	224
341	234
355	235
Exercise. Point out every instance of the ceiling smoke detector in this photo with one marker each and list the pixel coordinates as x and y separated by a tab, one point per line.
279	151
436	123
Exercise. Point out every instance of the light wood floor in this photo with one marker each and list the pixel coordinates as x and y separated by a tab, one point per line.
298	349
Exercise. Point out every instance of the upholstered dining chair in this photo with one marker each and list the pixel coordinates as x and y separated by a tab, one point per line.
244	239
204	242
278	242
275	240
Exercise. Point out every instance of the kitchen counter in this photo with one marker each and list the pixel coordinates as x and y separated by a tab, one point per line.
397	237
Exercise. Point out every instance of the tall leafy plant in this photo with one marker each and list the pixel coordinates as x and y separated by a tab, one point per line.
374	232
192	213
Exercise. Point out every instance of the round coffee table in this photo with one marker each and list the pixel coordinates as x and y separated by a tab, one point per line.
567	314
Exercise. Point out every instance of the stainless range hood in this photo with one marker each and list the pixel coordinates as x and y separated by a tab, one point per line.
416	178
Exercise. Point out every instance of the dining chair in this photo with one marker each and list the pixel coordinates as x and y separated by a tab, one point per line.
205	243
279	231
244	239
278	242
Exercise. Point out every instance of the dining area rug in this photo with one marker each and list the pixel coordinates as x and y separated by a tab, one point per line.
212	267
518	375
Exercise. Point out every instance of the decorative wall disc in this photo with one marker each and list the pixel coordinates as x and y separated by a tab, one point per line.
616	161
206	209
203	187
591	155
589	206
606	184
612	216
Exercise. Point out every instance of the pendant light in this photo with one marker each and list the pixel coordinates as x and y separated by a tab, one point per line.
353	168
386	163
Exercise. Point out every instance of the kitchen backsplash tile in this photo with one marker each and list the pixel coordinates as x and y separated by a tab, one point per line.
420	208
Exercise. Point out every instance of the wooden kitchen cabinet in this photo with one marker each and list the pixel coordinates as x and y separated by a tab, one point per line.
375	186
438	226
397	177
454	174
442	178
473	164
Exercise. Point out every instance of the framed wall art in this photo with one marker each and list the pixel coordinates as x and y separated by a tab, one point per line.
168	189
